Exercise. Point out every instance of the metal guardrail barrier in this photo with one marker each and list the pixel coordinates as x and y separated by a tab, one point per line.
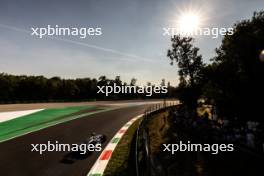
145	165
142	151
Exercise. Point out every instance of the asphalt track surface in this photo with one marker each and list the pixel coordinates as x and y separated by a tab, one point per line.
30	106
16	157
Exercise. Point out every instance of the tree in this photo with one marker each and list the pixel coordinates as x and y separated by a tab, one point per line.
133	82
163	82
18	89
236	76
190	65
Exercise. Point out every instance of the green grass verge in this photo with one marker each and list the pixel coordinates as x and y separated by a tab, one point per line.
119	163
39	120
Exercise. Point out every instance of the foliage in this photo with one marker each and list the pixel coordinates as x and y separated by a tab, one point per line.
190	65
235	78
20	89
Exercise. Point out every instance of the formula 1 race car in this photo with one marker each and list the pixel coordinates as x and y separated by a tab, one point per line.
96	139
93	143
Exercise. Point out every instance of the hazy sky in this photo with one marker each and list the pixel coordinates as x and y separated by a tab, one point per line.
132	31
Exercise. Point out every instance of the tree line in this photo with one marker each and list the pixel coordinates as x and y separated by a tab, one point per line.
19	89
233	81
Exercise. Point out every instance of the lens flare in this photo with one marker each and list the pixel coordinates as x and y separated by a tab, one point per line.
261	56
188	22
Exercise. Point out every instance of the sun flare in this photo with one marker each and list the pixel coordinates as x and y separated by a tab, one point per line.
189	22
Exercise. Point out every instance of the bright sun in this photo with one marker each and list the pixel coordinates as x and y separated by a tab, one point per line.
188	22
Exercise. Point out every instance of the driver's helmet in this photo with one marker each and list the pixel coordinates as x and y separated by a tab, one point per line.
93	134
